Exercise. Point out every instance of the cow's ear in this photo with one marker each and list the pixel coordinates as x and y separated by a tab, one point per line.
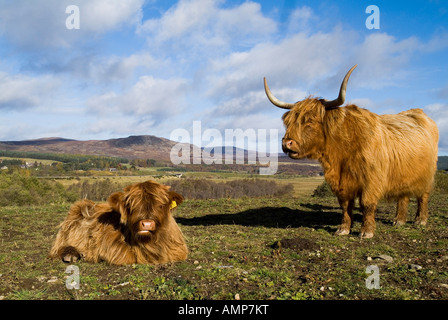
175	199
115	200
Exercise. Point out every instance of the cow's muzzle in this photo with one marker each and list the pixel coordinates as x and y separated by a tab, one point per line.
145	227
290	147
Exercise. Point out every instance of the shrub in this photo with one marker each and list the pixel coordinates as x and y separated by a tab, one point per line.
96	191
323	190
20	189
206	189
441	182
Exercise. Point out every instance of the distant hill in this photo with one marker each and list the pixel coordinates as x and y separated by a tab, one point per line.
442	164
133	147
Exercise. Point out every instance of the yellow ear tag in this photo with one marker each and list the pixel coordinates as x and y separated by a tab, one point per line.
173	204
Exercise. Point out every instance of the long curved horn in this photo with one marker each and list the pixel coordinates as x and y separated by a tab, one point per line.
333	104
274	100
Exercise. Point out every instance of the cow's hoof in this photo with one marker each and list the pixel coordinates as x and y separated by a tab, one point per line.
366	235
70	255
419	222
398	223
342	232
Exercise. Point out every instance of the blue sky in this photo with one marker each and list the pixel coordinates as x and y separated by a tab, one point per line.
139	67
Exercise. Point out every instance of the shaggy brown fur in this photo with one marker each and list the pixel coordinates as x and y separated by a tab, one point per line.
366	156
134	226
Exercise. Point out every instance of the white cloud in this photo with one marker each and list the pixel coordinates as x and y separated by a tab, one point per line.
103	70
301	20
315	63
33	26
436	43
19	92
20	131
201	26
385	60
299	59
180	20
149	96
105	15
439	113
248	103
41	26
119	126
245	107
381	58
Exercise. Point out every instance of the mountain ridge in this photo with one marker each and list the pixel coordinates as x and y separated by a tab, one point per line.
132	147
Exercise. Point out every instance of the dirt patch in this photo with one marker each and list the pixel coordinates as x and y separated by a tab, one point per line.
298	244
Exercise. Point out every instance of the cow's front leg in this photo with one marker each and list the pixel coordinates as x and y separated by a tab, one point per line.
70	254
347	217
368	220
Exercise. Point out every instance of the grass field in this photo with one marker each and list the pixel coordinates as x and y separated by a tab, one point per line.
31	160
248	248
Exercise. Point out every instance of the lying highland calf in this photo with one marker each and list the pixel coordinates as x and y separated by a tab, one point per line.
364	155
133	226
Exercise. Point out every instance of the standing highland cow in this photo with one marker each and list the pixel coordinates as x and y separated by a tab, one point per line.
364	155
134	226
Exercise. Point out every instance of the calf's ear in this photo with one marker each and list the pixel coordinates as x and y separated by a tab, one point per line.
175	199
115	200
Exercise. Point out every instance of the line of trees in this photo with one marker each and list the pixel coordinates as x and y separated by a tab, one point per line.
69	161
11	162
95	191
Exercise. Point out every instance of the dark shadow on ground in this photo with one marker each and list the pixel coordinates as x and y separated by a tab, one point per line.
273	217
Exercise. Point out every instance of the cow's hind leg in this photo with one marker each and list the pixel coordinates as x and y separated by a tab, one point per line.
69	254
347	217
402	211
421	217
